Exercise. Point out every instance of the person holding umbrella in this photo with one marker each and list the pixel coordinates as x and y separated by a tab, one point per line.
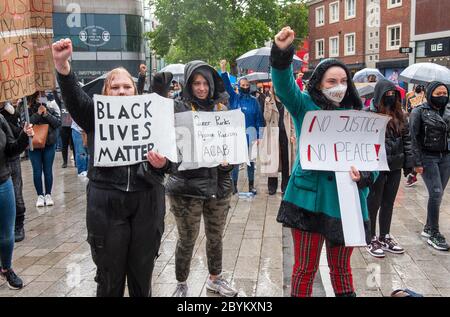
430	134
253	120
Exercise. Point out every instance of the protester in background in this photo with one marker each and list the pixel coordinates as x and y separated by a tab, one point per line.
254	120
161	84
299	80
65	131
430	134
311	205
282	150
10	147
42	159
372	78
203	191
81	150
126	204
399	155
12	115
142	77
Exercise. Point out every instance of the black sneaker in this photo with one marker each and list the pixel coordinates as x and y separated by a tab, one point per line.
64	165
272	192
14	282
426	233
437	241
390	245
375	249
19	234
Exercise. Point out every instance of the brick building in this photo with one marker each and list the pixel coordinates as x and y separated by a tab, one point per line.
361	33
430	31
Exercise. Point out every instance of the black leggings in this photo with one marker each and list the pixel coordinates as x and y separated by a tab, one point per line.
124	232
66	139
382	197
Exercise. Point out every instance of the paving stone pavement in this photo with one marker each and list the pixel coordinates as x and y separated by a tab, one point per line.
54	260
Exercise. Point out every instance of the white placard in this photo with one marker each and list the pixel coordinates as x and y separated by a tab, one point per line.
209	139
127	128
351	214
337	140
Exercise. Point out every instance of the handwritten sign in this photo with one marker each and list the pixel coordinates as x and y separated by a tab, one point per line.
208	139
127	128
337	140
26	36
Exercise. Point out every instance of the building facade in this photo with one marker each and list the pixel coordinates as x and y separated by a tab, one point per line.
361	33
430	32
105	34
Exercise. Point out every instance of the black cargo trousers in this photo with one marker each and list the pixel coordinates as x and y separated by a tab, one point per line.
124	232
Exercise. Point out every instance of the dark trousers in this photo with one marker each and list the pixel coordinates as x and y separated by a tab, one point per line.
16	175
436	173
284	161
66	139
124	232
382	197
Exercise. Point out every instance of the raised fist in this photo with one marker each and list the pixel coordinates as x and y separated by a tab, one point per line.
285	38
62	51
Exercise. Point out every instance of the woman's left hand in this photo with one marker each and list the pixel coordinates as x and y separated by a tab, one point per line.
156	160
28	129
355	175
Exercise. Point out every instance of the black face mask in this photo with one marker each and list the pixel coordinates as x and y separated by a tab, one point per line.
439	102
390	102
244	90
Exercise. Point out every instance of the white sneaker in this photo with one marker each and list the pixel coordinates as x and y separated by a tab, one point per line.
49	200
221	286
82	174
40	201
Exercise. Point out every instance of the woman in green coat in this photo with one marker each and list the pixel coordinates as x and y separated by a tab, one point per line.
310	205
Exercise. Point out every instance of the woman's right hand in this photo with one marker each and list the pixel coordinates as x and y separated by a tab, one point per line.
62	51
285	38
418	170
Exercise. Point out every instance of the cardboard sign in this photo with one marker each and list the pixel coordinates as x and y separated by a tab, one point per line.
337	140
26	36
127	128
209	139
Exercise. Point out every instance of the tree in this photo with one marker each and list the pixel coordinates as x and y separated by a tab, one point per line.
295	15
212	29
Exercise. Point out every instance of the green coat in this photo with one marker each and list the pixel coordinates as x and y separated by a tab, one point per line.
314	192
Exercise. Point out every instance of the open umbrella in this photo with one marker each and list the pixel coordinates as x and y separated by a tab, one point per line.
95	86
258	60
177	70
365	90
257	77
361	76
423	73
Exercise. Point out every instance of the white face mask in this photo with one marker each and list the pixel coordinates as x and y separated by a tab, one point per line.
336	93
9	108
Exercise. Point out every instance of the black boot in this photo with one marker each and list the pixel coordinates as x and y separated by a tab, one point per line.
235	188
19	234
251	188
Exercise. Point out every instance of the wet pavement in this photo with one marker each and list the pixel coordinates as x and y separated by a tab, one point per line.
54	259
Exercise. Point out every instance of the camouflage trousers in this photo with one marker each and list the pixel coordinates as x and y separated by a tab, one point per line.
188	213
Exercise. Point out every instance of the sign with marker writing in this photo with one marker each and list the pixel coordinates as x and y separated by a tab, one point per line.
26	36
127	128
209	139
337	140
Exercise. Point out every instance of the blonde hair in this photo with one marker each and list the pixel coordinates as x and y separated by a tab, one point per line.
110	76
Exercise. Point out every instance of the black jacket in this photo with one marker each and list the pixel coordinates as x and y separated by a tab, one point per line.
52	118
398	145
203	183
15	126
133	178
430	129
9	147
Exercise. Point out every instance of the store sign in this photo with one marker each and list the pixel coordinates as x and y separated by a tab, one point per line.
95	36
406	50
439	47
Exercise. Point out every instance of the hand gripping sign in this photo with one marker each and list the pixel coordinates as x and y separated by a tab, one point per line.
336	141
127	128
